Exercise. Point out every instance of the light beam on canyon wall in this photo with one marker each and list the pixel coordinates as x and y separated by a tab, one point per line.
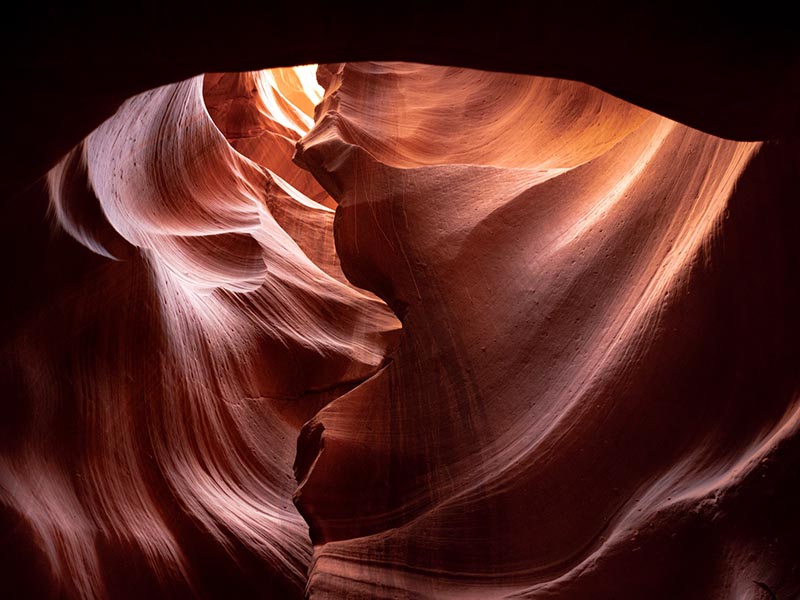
594	392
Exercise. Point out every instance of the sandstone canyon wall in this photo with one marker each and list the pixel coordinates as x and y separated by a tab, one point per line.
449	333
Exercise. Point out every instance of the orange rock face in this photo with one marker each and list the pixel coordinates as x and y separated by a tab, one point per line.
589	389
424	332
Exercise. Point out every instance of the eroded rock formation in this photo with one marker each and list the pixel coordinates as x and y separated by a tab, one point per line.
595	380
593	394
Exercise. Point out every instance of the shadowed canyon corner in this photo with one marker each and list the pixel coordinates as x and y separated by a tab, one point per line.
381	329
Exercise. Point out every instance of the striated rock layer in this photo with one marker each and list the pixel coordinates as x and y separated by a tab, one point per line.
594	393
163	394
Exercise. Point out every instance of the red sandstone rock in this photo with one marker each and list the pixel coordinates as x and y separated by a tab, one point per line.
594	393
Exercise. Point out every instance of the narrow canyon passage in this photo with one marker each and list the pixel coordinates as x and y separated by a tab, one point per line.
394	330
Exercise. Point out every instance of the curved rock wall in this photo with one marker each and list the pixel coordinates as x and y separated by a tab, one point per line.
593	393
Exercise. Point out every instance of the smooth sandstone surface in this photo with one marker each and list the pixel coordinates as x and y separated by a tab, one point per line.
595	382
594	393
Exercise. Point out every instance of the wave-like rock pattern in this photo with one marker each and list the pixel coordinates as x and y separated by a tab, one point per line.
593	395
167	392
597	364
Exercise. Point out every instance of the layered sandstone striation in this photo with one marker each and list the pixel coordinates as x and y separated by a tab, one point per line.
594	393
164	393
597	376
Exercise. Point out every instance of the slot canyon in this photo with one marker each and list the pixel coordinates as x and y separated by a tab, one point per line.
319	302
